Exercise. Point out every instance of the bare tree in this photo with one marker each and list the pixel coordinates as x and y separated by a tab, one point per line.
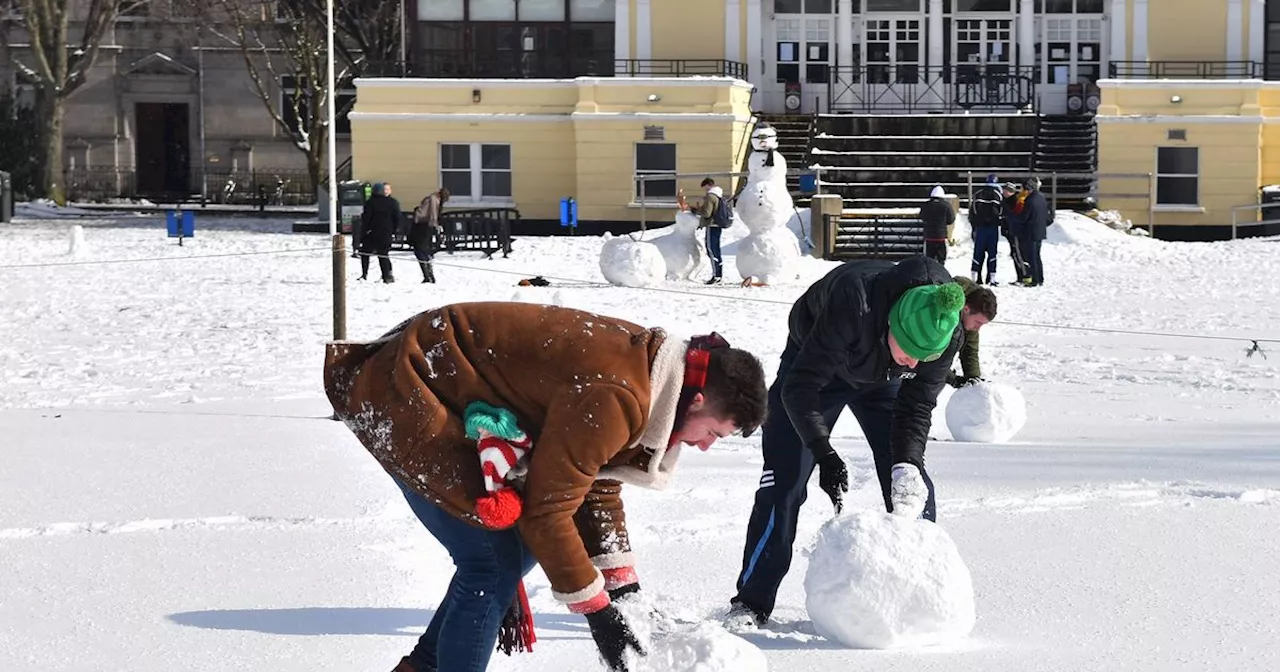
63	38
286	55
369	33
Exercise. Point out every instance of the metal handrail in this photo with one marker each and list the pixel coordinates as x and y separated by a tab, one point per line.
1185	70
643	179
910	88
1149	194
1258	207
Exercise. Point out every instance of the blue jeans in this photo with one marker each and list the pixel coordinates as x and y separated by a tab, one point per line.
490	564
788	465
713	251
985	239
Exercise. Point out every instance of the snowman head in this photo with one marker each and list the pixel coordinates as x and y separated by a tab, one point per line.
686	223
764	139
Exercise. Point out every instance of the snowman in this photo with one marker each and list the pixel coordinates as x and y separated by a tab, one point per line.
770	252
681	248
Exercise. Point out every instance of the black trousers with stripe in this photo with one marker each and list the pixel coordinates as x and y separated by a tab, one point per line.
788	465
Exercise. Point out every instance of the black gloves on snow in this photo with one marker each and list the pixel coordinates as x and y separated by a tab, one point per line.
963	381
613	637
833	475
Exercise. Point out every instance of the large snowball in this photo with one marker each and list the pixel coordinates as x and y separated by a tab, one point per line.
631	263
671	646
986	413
879	581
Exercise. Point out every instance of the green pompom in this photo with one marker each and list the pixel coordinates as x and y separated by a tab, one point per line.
496	421
950	297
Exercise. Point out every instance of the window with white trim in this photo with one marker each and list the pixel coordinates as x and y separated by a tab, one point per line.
656	157
476	172
1178	176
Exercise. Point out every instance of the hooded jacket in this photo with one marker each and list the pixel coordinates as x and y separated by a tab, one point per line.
937	215
840	328
707	209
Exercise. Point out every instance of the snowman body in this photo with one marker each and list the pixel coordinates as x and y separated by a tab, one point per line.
770	252
680	247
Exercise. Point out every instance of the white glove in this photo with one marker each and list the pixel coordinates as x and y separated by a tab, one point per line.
908	492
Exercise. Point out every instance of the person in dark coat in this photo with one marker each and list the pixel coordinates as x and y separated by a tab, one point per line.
379	220
1031	214
979	309
878	338
1010	191
427	227
938	217
986	214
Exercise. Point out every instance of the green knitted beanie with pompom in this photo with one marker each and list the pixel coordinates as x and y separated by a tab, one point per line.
924	318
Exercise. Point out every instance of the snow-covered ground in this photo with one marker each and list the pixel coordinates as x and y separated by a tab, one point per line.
173	496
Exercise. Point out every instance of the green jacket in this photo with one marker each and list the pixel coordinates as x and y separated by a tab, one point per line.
969	349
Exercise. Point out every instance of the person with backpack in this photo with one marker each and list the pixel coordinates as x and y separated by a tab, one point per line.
714	215
986	214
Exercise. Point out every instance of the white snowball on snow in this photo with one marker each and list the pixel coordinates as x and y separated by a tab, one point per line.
879	581
75	241
630	263
672	647
770	256
986	413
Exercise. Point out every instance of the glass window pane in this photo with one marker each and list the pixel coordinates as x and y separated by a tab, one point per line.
893	5
440	10
493	10
455	156
495	183
657	189
1178	161
817	6
495	157
983	6
655	157
542	10
1058	6
787	6
592	10
1177	191
458	182
1089	6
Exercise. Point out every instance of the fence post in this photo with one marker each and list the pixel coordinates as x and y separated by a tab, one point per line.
969	178
643	212
1151	204
1233	223
1053	191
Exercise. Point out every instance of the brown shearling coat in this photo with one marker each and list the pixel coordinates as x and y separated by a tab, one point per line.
597	396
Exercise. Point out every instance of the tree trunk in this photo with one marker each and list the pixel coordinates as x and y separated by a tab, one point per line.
52	109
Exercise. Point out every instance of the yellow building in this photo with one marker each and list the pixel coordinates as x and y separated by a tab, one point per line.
522	103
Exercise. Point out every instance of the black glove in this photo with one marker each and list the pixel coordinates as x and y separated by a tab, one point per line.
833	475
613	637
970	380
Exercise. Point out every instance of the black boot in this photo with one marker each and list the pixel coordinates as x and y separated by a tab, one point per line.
428	271
364	267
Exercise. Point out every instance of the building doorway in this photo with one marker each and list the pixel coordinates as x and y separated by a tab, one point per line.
162	149
802	53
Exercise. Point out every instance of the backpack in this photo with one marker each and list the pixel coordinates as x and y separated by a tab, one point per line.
722	216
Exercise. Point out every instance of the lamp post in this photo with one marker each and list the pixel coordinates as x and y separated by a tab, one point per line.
339	243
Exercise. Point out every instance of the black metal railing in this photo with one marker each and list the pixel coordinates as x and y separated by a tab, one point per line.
464	63
484	230
267	186
1186	70
633	67
915	88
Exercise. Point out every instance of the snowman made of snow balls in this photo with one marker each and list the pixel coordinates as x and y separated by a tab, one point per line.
770	252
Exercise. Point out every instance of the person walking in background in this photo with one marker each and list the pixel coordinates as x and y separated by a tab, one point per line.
938	217
426	227
378	224
1031	218
1010	191
986	214
714	216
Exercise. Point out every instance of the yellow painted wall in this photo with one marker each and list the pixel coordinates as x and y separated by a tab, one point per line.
688	29
570	138
1195	31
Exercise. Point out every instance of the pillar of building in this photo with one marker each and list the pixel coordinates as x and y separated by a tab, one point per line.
733	31
755	43
644	34
1117	20
1258	32
1139	31
936	43
622	30
843	74
1027	34
1235	30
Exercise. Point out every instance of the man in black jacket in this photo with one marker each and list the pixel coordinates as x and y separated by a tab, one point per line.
986	214
1032	223
937	216
379	221
878	338
1010	191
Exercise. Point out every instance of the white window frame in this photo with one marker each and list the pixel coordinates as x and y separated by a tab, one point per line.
1194	207
636	170
476	170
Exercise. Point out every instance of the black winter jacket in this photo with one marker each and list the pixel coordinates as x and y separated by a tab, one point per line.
987	208
1033	222
937	215
378	223
840	328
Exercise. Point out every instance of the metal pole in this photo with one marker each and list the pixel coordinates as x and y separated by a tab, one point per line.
339	245
204	155
1151	204
1233	223
1054	189
643	213
404	65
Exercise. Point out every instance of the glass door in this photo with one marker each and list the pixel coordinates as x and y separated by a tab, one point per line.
803	53
982	47
892	49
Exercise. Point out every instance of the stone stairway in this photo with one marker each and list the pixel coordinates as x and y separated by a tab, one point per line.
1067	144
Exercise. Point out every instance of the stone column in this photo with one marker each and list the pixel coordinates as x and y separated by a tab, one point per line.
844	50
1139	30
622	30
733	31
1027	33
936	43
1117	21
1235	30
1257	31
